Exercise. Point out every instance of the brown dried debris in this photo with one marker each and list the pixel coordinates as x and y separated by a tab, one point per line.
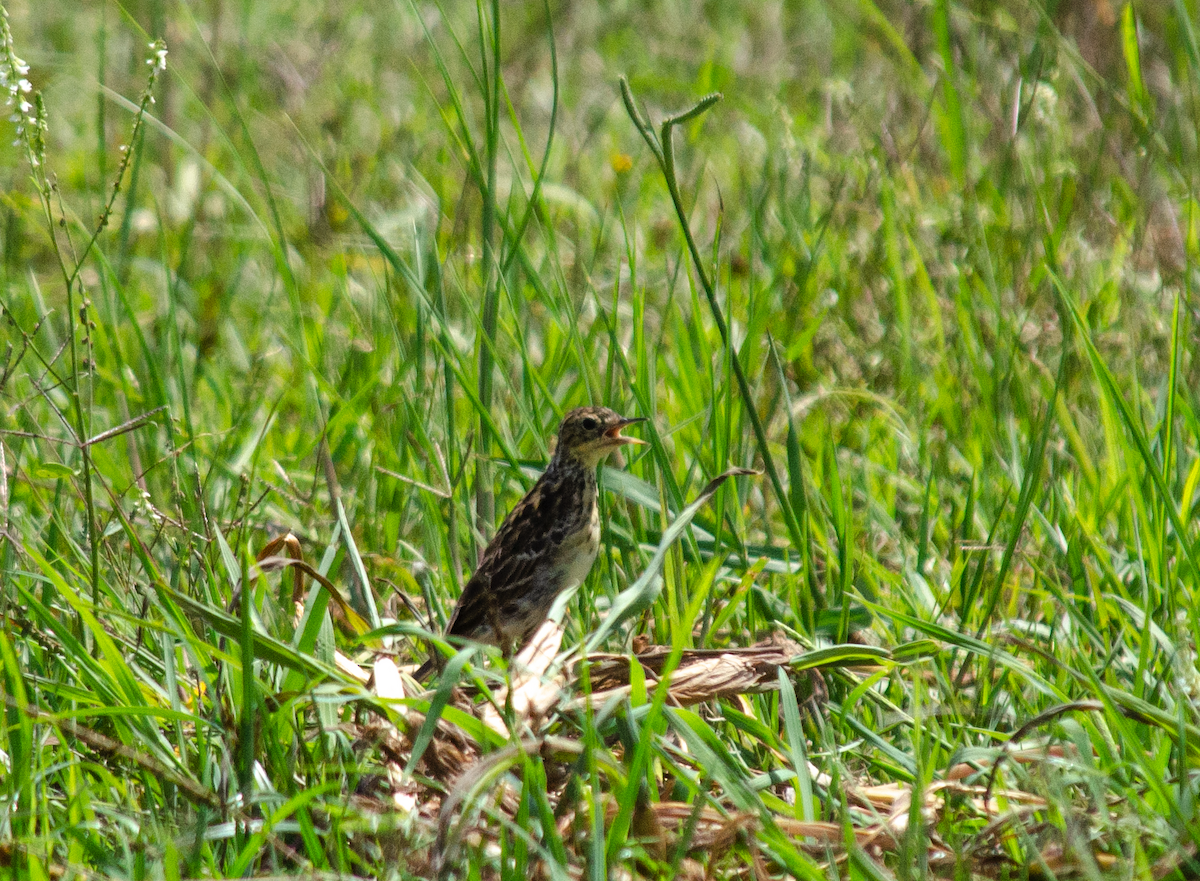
706	674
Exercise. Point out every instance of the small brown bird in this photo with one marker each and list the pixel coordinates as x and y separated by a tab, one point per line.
546	544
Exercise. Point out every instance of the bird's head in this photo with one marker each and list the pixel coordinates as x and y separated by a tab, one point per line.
588	434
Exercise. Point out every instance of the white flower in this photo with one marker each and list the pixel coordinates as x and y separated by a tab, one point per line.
159	61
25	86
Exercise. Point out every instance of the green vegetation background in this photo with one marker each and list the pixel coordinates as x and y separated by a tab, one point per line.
955	246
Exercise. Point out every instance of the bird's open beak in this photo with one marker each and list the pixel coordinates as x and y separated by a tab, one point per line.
613	435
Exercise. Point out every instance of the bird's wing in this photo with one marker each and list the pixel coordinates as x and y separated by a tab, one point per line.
483	595
522	549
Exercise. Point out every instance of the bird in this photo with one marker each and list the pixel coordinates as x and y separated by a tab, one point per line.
545	545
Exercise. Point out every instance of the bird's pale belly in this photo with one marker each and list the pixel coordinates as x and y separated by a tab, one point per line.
579	555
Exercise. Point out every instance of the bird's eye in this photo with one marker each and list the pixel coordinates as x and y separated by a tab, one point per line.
589	424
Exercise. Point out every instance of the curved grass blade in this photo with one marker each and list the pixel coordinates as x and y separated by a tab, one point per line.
639	595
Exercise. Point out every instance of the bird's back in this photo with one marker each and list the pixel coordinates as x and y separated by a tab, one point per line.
546	545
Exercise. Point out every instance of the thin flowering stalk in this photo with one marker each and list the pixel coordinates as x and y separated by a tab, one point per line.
157	62
30	119
19	95
29	115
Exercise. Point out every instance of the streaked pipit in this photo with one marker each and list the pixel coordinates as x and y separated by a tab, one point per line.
546	544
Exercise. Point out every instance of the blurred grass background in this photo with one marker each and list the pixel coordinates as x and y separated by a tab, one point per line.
366	256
